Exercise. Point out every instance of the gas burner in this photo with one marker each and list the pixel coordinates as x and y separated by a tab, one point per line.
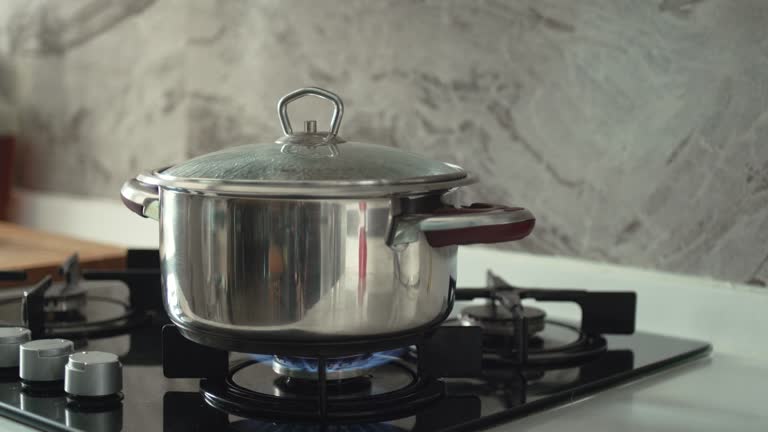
394	386
381	377
62	301
497	320
71	302
90	304
542	343
337	368
391	390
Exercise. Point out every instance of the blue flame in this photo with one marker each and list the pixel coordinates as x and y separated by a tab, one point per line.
360	361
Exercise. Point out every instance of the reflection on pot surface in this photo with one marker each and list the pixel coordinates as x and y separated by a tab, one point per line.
308	265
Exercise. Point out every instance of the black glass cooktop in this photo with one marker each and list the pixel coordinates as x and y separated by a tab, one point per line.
154	403
417	387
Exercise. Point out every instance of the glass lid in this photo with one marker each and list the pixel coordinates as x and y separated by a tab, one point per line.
310	162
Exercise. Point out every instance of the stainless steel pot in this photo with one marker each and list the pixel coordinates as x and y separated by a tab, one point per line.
311	237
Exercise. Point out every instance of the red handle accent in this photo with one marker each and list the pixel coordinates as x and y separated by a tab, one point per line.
480	234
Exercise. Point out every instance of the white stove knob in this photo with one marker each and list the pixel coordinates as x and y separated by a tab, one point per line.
44	359
93	373
10	339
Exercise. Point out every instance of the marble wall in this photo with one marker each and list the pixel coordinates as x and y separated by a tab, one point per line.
635	130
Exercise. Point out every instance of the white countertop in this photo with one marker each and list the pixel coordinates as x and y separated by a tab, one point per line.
725	392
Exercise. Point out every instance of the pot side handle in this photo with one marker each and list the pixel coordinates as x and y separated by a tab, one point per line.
141	198
475	224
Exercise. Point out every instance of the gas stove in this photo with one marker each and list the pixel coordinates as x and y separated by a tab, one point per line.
498	357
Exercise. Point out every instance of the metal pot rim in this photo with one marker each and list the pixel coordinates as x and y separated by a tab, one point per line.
303	189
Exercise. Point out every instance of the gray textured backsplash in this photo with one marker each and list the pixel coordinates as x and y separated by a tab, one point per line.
635	130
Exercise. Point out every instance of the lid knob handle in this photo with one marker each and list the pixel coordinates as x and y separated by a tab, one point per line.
338	110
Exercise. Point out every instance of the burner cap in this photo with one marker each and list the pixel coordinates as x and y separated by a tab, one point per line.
337	368
61	297
497	320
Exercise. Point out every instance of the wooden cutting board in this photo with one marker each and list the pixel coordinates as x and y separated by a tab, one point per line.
40	253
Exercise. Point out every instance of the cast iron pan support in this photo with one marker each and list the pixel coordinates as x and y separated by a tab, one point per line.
322	398
521	330
444	352
33	307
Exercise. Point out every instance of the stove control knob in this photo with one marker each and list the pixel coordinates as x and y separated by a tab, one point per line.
93	373
44	359
10	339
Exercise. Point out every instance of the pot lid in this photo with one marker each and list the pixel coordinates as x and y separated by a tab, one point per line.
310	162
